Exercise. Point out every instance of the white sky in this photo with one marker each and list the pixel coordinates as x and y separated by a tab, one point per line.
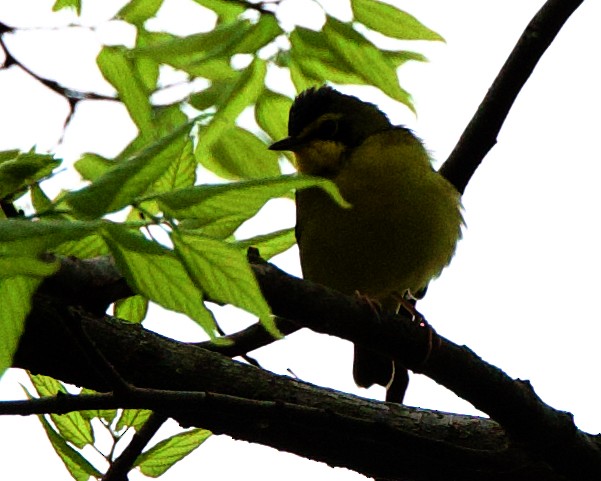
522	289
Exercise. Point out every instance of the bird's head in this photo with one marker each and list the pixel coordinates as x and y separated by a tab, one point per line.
323	124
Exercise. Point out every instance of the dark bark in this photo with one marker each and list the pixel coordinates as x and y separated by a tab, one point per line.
481	133
532	441
209	390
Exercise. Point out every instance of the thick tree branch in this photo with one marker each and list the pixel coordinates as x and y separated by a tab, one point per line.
247	403
481	133
547	433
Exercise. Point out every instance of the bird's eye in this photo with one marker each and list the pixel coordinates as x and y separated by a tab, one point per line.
327	129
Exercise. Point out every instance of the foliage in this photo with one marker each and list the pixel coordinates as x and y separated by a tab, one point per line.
172	236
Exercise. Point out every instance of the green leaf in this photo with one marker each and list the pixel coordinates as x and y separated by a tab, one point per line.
313	61
166	119
137	12
365	59
15	293
212	69
78	466
272	244
226	9
62	4
271	113
39	199
26	266
132	309
399	57
9	155
166	453
147	69
238	154
218	210
391	21
92	166
154	46
244	93
118	69
26	237
84	248
222	271
300	79
135	418
119	186
108	415
180	173
73	427
154	272
259	35
210	96
219	42
24	169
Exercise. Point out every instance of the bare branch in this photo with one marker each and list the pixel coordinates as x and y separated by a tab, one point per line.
481	133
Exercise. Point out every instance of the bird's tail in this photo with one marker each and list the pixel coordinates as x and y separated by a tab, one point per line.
371	368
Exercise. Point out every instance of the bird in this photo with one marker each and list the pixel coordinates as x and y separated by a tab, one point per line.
402	227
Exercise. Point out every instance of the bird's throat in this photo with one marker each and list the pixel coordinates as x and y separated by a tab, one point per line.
324	158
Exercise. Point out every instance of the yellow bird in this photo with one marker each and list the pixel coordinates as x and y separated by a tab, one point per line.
405	219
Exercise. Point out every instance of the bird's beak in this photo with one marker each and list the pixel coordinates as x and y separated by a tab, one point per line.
289	143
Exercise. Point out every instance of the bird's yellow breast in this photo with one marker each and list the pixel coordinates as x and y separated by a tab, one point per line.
401	230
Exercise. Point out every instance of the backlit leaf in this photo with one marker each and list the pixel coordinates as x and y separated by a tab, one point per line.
365	58
238	154
62	4
271	113
135	418
25	237
244	93
92	166
23	169
167	452
118	70
78	466
39	199
271	244
317	61
154	272
222	271
132	309
218	210
73	427
138	11
391	21
259	35
120	185
15	293
26	266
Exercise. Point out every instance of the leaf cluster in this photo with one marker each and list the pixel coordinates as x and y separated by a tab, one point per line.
70	433
172	235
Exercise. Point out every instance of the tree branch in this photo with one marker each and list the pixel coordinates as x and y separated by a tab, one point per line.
481	133
125	462
248	403
549	434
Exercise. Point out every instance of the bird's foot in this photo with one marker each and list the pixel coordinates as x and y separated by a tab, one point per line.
408	304
374	304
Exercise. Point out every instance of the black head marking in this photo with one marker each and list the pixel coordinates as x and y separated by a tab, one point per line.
357	119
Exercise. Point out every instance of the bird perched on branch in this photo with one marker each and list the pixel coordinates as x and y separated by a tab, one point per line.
403	224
